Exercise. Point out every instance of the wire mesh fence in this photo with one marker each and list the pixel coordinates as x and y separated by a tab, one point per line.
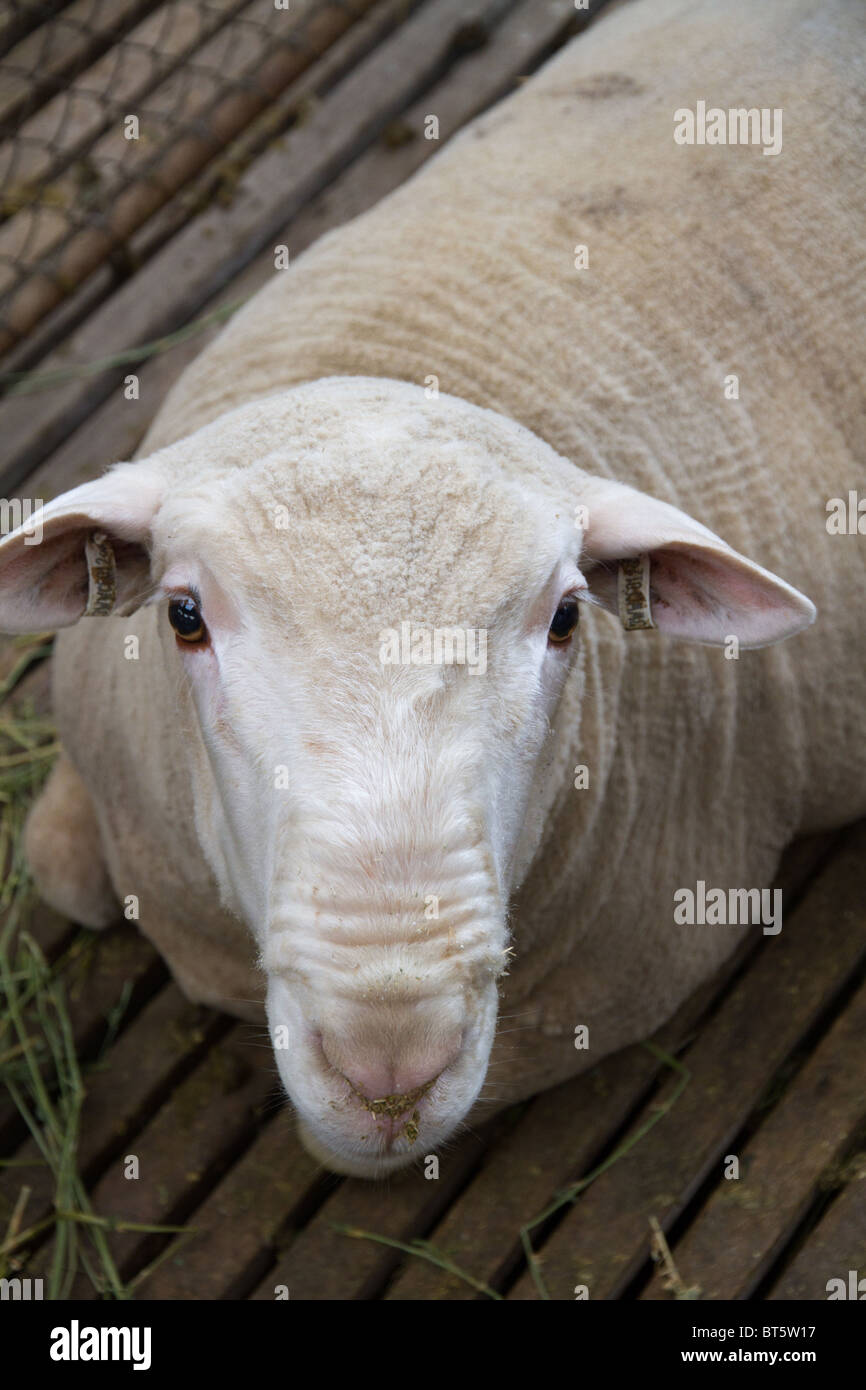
110	108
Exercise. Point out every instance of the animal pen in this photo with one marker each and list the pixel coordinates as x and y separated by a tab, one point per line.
154	154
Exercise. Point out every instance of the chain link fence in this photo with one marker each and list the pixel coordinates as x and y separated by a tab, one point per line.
112	109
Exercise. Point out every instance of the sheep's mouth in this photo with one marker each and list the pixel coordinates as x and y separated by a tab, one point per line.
392	1107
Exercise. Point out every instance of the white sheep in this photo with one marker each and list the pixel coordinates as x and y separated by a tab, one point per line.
259	745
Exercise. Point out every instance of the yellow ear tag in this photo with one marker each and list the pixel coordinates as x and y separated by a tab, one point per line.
633	593
101	575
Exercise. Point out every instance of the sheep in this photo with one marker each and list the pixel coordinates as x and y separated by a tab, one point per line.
553	392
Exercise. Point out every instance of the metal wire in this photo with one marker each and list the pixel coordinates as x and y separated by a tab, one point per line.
74	187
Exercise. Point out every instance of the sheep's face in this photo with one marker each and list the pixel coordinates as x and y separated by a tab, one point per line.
366	602
373	626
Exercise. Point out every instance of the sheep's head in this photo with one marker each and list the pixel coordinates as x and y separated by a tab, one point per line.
365	600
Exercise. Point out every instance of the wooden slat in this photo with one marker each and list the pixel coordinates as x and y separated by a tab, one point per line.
151	1056
322	1263
603	1242
557	1139
99	971
836	1246
207	1121
748	1221
242	1222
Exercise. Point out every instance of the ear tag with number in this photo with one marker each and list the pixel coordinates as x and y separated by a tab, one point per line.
633	593
101	575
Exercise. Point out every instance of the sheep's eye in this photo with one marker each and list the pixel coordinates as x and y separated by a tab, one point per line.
565	620
186	619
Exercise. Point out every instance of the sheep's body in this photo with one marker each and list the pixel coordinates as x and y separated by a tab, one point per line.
702	263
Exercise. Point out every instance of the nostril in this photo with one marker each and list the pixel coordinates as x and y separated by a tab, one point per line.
391	1085
390	1093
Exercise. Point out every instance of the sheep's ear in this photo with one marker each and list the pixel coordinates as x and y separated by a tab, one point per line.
653	565
87	551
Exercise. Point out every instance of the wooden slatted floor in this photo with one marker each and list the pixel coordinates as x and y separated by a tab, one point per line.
771	1062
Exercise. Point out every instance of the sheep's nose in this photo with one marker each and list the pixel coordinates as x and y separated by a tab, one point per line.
394	1084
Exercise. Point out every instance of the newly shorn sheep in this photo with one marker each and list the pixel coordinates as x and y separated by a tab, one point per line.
345	714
